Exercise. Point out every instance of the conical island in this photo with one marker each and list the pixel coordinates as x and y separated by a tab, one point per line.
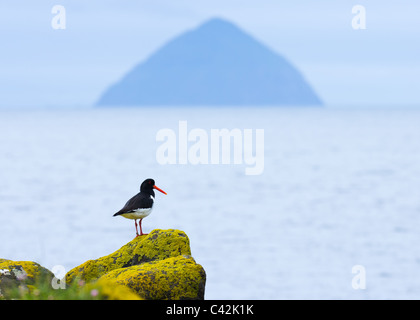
215	64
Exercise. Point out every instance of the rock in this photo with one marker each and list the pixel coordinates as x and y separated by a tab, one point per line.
157	245
24	274
110	290
156	266
177	278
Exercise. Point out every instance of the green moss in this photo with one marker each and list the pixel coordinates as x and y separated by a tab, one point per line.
157	245
100	290
172	278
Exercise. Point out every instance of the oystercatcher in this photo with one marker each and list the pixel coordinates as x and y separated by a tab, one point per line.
141	205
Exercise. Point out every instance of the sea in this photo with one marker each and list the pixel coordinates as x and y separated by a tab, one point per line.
334	214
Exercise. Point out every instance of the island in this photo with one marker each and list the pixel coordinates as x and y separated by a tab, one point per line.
216	64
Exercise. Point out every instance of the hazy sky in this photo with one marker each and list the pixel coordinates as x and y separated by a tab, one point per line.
40	66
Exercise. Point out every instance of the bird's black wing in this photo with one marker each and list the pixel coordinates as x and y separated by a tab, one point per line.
139	201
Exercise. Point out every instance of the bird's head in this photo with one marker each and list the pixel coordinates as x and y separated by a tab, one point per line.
148	185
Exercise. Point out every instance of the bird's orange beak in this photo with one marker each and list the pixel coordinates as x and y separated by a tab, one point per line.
158	189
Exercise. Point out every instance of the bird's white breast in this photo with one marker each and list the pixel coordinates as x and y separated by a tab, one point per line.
138	213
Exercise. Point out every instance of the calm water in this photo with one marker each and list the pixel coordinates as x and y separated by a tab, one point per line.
340	188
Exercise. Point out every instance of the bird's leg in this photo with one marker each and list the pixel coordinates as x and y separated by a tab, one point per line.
141	231
135	223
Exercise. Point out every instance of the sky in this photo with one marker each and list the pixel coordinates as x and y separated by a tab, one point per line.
45	67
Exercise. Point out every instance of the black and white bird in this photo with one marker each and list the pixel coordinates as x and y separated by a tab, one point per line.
141	205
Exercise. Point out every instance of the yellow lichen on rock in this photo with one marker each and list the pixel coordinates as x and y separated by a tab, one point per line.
157	245
22	274
23	270
156	266
172	278
110	290
161	244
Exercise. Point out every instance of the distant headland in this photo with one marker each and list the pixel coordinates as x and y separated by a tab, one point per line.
215	64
